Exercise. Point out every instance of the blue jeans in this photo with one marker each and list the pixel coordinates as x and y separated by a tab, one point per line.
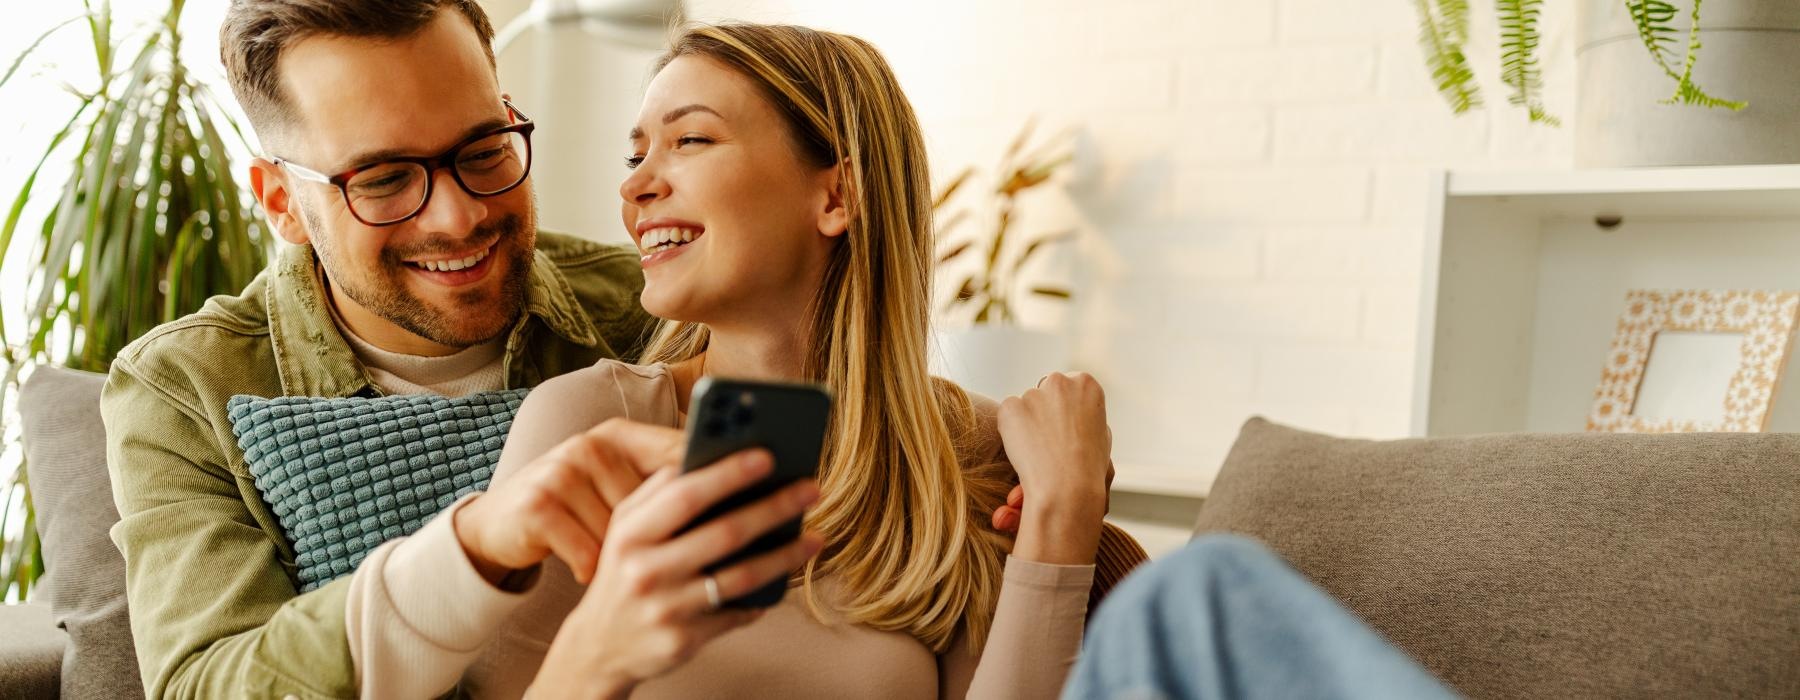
1226	618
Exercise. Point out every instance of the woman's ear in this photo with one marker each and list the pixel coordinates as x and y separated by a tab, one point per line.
835	217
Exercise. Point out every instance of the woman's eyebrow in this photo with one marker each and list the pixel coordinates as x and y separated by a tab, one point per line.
674	114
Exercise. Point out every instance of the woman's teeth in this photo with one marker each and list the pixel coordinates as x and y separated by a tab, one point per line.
452	265
657	240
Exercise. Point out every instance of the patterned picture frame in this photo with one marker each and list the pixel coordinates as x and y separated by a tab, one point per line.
1766	318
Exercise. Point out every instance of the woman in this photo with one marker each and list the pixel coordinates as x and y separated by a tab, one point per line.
779	195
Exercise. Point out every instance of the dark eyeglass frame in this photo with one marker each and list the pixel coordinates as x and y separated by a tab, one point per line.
522	126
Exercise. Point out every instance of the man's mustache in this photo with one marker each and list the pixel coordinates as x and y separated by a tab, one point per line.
488	234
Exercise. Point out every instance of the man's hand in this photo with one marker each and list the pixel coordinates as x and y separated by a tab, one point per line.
560	503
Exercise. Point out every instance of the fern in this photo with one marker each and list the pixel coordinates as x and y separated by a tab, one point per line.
1686	92
1443	29
1519	69
1653	18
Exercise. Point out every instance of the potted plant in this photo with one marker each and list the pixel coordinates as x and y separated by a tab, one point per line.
981	345
1638	75
148	224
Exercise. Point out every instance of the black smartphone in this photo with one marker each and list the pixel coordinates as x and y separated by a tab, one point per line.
789	420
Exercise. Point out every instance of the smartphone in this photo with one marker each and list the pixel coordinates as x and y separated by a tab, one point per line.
788	420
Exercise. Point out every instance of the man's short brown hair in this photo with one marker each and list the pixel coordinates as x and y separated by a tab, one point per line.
256	32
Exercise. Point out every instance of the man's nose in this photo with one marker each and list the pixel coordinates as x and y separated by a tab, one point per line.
451	211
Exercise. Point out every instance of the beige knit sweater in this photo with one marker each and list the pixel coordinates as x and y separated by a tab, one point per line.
422	621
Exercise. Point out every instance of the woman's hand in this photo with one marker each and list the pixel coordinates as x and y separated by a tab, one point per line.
561	502
1058	441
648	610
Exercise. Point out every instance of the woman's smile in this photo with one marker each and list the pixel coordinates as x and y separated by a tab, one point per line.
662	239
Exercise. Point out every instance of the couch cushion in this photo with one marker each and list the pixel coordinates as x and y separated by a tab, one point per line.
344	475
84	575
1568	565
31	652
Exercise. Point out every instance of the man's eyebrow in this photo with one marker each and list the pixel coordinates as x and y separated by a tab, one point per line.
674	114
368	158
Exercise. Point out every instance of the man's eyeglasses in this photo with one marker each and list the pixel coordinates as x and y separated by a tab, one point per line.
392	191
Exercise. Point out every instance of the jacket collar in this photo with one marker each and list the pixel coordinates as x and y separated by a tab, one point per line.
315	360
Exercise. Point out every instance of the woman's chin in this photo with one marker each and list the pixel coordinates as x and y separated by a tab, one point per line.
668	307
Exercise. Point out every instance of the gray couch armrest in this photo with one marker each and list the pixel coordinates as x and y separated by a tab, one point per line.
31	652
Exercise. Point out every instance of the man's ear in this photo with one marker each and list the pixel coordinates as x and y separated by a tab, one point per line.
835	217
270	186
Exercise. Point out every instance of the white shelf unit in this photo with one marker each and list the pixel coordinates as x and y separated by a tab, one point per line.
1522	287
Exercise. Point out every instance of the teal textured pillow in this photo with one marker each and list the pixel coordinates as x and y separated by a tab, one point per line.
344	475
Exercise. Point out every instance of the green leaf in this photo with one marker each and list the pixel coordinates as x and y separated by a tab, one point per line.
955	251
950	223
87	184
949	190
20	60
1032	248
964	294
152	195
1519	39
100	28
1651	19
1027	177
1018	143
967	290
1686	92
24	196
1443	30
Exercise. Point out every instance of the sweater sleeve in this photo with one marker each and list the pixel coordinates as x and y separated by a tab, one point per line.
1034	639
418	612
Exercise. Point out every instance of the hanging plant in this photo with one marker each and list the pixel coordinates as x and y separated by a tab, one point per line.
1444	30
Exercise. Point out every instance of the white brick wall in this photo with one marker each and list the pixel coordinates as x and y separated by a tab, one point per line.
1253	184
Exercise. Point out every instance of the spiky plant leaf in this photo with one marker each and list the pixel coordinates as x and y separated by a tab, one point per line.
955	251
20	60
949	190
1032	248
149	224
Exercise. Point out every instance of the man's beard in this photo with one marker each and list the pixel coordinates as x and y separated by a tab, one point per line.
477	315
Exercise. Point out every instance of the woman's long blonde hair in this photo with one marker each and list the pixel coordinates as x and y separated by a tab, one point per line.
906	524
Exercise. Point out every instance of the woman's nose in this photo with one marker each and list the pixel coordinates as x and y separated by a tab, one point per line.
644	185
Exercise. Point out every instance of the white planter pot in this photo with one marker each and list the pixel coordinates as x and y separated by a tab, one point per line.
998	361
1751	48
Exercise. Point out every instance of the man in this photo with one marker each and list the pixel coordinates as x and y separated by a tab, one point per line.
399	174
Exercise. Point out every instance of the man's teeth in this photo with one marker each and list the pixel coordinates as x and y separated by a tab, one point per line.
660	239
452	265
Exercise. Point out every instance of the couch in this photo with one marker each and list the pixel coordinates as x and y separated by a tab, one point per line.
1548	565
1570	565
74	638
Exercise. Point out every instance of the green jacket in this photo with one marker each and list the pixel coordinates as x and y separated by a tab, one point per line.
212	585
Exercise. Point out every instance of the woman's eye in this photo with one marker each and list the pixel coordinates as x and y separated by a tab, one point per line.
632	162
685	140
